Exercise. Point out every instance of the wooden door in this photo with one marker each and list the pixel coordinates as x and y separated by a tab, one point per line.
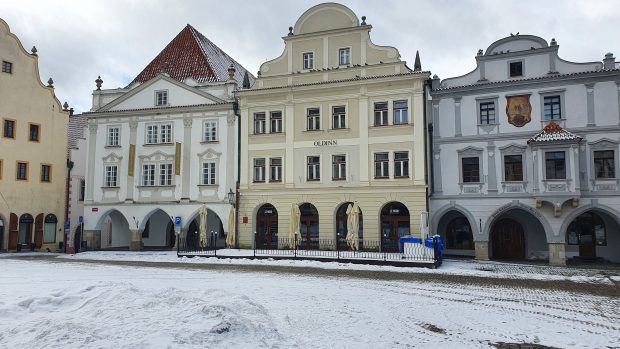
508	240
587	238
13	232
309	232
38	231
267	232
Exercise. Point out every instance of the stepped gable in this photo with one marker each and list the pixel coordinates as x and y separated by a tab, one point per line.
552	133
191	55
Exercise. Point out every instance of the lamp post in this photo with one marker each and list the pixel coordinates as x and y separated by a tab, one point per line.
231	197
233	201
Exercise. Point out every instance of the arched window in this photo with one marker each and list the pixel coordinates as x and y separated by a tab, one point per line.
459	235
587	229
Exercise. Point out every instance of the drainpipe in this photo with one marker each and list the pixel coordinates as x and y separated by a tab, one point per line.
428	141
238	115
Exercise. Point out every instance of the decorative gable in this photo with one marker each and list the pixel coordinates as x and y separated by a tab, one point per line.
112	157
553	133
470	151
604	143
209	154
157	156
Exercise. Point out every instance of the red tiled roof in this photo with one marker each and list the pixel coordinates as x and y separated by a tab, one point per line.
553	132
191	55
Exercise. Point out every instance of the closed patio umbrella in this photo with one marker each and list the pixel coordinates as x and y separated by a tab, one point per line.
230	238
353	224
202	225
294	226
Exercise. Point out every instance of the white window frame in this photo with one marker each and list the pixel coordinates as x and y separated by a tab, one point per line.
208	174
398	113
166	174
149	174
210	131
344	52
166	133
313	170
342	117
339	169
385	113
111	139
275	169
307	59
258	176
385	165
314	118
402	165
161	98
151	134
110	176
260	125
278	122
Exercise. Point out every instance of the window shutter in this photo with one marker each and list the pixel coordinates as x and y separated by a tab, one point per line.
13	221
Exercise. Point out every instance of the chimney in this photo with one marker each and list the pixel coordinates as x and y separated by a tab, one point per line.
246	81
609	62
231	73
435	84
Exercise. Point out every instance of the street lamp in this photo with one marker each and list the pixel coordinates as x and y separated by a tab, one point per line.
231	197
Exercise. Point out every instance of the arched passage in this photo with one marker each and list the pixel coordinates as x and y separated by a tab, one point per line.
115	231
394	224
267	227
457	233
309	227
214	230
341	225
158	231
516	234
593	234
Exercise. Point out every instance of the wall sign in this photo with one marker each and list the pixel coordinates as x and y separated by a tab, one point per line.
331	142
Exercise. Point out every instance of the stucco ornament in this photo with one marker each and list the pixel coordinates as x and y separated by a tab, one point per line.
518	110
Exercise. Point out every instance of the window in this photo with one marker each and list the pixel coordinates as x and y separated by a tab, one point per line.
9	129
344	56
275	169
400	113
151	134
161	98
487	113
516	69
22	171
276	122
555	165
259	170
113	136
339	167
33	132
513	168
49	229
471	170
46	173
587	229
401	164
166	133
259	123
308	60
381	113
210	131
165	174
82	190
339	117
382	163
552	109
604	164
111	176
7	67
314	119
208	173
314	168
148	174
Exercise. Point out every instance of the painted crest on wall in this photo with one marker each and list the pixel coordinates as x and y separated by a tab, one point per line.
518	110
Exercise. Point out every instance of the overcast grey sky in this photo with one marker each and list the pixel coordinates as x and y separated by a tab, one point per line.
78	40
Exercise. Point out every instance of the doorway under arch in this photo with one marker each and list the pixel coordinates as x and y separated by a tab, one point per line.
267	227
215	232
592	235
309	227
394	225
341	226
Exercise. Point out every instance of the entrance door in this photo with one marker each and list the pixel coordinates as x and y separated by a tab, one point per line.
25	230
267	227
508	240
394	225
587	231
309	226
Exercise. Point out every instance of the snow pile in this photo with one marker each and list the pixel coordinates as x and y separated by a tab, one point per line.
115	315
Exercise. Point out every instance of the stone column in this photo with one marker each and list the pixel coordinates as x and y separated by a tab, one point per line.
136	240
90	169
557	253
437	179
482	250
93	239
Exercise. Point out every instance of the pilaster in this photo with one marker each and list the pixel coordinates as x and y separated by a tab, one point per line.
590	104
363	129
133	127
492	173
136	240
186	154
437	179
557	253
482	250
90	169
457	116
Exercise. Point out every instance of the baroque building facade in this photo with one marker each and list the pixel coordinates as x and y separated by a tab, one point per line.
334	120
162	147
525	155
33	152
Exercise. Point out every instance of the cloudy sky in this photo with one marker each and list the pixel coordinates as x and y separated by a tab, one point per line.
79	40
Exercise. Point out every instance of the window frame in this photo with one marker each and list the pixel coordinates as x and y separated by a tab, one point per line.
163	93
263	123
469	152
613	163
339	168
206	129
463	177
316	168
604	144
106	182
166	174
399	111
208	173
309	54
14	129
49	173
255	166
278	121
30	128
383	163
6	64
82	193
341	116
564	152
26	172
149	178
385	113
403	167
510	65
118	136
489	100
505	163
316	119
277	168
348	55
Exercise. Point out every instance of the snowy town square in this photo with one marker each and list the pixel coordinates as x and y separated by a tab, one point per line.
155	300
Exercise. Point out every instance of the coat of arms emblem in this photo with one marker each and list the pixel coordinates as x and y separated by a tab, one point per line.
518	110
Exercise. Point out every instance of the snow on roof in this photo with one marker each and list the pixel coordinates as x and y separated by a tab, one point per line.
77	123
553	133
191	55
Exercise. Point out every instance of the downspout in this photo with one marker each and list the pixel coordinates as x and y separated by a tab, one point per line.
428	135
67	196
236	112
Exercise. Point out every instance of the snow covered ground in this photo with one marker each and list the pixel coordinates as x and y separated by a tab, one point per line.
56	304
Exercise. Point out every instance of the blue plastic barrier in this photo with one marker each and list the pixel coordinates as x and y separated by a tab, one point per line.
428	242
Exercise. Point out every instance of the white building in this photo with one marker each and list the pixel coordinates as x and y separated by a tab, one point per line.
78	125
525	155
162	147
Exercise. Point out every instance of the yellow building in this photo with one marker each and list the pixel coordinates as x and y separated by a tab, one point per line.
334	120
33	152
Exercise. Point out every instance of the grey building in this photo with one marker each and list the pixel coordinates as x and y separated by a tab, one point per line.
525	155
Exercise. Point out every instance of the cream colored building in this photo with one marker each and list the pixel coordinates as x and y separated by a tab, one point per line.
33	152
335	119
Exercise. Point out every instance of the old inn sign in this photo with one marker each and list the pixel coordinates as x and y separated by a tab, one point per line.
518	110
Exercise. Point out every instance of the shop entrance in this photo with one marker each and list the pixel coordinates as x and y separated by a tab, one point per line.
309	226
394	224
508	239
267	227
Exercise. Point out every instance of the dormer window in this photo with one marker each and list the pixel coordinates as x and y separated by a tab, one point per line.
161	98
308	60
344	56
516	69
7	67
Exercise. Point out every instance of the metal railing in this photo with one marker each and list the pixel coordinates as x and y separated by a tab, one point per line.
190	247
